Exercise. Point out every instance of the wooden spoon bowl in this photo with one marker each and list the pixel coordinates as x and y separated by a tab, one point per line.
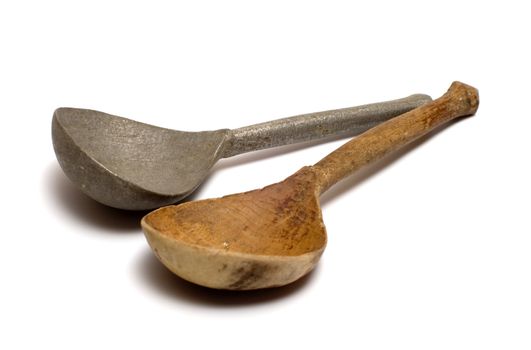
275	235
223	243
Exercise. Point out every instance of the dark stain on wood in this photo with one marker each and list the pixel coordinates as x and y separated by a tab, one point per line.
248	274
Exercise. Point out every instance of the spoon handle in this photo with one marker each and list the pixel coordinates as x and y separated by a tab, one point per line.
460	100
347	121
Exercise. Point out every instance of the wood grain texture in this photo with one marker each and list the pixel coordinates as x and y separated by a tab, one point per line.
280	219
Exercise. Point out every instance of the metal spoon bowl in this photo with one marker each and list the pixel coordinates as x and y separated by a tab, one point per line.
131	165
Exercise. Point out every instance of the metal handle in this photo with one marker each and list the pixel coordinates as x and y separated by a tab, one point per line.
346	121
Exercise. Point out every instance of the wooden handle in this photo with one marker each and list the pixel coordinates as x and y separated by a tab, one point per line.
460	100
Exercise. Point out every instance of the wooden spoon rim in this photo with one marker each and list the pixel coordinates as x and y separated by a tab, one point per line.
150	230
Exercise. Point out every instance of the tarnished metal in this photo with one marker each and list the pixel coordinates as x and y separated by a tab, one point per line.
131	165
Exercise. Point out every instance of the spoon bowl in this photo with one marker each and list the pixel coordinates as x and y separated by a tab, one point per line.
131	165
222	243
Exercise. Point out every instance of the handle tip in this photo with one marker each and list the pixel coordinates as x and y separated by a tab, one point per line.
468	96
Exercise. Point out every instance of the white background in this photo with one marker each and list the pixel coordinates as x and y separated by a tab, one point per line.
429	249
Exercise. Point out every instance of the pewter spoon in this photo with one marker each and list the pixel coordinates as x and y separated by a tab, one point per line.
131	165
275	235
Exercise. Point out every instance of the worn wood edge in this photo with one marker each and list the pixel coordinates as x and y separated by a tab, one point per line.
227	270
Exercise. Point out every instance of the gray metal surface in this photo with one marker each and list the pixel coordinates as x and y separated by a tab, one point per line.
131	165
312	126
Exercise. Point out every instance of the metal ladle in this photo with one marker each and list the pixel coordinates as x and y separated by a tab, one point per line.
131	165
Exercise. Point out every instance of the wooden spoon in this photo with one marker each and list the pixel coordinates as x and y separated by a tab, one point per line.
275	235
